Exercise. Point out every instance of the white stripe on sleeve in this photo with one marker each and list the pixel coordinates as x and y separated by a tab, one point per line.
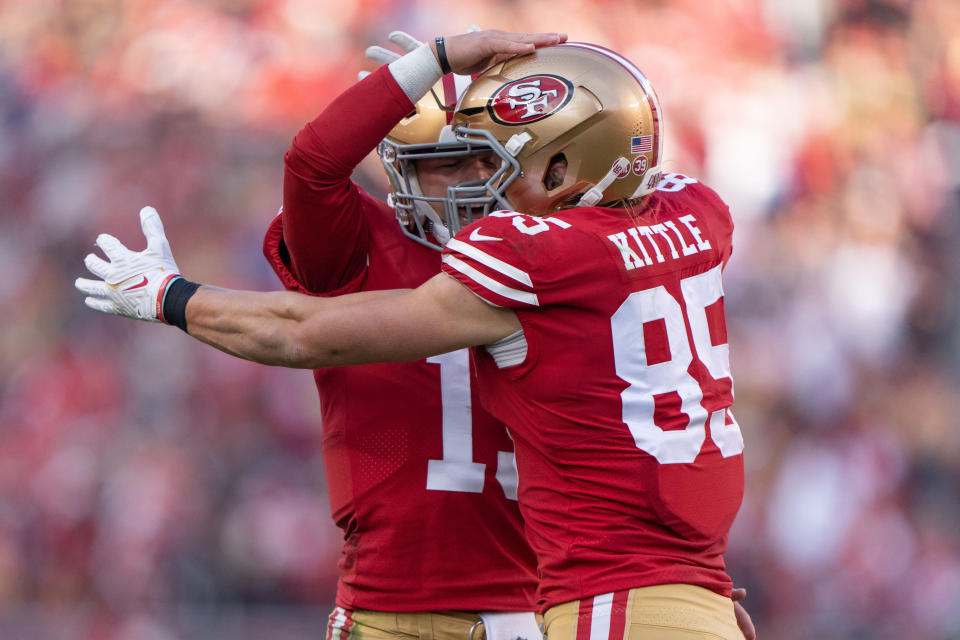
489	283
486	259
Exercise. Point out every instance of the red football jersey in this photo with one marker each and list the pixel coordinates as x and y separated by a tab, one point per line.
630	461
421	480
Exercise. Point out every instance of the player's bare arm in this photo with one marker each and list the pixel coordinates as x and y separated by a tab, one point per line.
295	330
284	328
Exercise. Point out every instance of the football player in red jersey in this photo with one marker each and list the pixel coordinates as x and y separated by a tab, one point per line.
603	339
418	473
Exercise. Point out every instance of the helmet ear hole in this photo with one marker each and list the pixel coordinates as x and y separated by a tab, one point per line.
556	172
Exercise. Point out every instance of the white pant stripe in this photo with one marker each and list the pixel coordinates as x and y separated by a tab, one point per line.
600	621
336	627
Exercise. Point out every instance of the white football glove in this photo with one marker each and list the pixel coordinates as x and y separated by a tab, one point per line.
400	38
381	55
132	283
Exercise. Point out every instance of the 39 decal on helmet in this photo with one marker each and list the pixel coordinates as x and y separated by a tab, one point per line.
574	125
425	133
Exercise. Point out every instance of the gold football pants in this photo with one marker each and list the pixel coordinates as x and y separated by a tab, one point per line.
361	624
660	612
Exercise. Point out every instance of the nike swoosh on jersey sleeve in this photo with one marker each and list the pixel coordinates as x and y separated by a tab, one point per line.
476	236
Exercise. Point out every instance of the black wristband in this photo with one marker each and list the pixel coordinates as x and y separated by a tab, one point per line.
442	56
175	298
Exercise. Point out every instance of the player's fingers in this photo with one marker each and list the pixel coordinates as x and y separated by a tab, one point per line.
739	593
744	622
99	304
152	227
91	287
110	246
499	49
404	40
536	39
97	265
381	55
519	43
504	46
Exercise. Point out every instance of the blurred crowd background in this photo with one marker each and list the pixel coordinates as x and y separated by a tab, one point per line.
152	488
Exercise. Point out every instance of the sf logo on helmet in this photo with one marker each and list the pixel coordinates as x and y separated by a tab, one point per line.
529	99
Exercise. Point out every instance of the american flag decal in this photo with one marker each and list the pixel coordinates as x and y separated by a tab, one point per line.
641	144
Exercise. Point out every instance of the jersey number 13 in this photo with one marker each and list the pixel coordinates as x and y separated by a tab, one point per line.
457	471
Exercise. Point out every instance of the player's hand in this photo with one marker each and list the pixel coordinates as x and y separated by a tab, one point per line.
475	51
132	283
743	618
402	39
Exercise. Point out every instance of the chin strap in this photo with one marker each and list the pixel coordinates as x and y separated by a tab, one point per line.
594	194
438	229
434	223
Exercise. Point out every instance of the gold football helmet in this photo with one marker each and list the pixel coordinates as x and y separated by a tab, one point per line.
425	133
574	125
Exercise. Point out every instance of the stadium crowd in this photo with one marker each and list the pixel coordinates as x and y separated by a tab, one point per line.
151	488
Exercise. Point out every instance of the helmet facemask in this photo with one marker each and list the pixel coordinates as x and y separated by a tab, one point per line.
463	203
481	197
425	133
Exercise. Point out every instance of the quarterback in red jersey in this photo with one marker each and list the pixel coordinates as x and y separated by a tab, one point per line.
421	478
599	333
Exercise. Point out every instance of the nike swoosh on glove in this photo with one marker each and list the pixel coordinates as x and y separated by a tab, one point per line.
131	284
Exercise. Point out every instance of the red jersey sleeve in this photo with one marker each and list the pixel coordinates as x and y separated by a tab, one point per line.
517	261
490	258
324	227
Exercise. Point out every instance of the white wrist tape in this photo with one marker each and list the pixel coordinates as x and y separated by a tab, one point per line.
416	72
